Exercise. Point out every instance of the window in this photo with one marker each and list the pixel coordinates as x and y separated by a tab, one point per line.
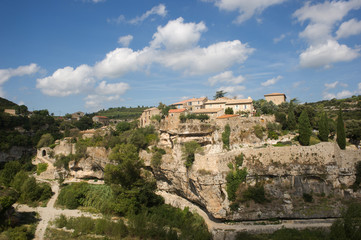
236	106
245	106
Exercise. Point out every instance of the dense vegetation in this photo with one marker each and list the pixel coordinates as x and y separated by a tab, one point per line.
122	113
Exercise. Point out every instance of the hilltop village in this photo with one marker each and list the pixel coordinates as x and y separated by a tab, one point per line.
238	163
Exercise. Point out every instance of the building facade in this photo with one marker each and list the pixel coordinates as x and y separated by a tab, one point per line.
276	98
146	117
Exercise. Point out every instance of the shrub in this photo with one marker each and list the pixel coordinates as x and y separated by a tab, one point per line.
357	182
234	179
258	131
341	136
307	197
272	135
228	110
41	168
45	140
304	129
255	193
189	149
225	136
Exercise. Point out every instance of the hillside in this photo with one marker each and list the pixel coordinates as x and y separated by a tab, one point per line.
4	103
122	113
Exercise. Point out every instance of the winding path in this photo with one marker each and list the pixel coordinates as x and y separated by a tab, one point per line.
49	212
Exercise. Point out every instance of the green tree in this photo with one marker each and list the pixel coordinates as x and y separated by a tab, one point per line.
84	123
323	128
219	94
9	172
225	136
291	119
304	129
123	126
189	149
228	110
341	136
45	140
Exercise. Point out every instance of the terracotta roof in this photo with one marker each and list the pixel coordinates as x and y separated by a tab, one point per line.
216	101
104	117
209	110
177	110
238	101
227	116
275	94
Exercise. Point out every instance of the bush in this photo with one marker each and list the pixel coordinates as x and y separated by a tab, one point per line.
304	129
45	140
234	179
189	149
225	136
258	131
228	111
41	168
307	197
255	193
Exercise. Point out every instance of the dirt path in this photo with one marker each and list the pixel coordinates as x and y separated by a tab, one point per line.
49	212
223	230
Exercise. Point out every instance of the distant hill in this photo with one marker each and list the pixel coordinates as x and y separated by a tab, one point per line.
122	113
6	104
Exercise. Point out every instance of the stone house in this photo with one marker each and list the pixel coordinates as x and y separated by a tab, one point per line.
240	105
276	98
213	113
101	119
77	116
145	118
173	117
10	111
191	104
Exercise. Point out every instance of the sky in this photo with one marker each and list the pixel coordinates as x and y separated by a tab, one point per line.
86	55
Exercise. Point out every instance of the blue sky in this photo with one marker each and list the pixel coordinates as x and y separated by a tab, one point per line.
70	55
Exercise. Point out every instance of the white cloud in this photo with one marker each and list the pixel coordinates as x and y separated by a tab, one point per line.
117	63
105	88
323	49
349	28
225	77
324	55
125	40
67	81
117	20
232	89
177	35
297	84
6	74
331	85
214	58
178	50
280	38
105	92
157	10
271	81
94	1
245	8
344	94
359	86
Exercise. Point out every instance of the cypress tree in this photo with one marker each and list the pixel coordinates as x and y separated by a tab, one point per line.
291	119
304	129
323	128
341	137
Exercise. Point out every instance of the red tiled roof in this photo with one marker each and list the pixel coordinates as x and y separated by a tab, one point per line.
104	117
227	116
275	94
177	110
189	100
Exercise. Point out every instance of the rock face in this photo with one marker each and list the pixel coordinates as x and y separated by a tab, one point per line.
289	174
15	153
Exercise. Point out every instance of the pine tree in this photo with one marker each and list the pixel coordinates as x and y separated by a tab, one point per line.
291	119
323	128
341	137
304	129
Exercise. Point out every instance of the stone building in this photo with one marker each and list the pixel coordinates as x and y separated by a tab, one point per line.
191	104
10	111
240	105
173	117
145	118
77	116
101	119
276	98
213	113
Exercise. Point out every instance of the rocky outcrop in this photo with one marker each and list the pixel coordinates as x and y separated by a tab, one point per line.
322	171
15	153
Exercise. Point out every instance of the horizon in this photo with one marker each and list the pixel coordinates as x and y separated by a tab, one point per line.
87	55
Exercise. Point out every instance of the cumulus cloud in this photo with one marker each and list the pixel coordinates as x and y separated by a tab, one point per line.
157	10
271	81
232	89
105	92
225	77
125	40
349	28
323	49
280	38
245	8
67	81
339	95
177	35
173	46
6	74
331	85
323	55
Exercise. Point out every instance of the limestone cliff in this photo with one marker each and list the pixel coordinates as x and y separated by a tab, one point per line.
287	173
